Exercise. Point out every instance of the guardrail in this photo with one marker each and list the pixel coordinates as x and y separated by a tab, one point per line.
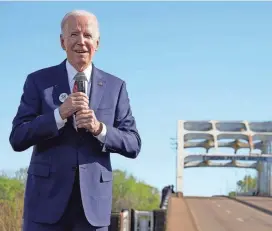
165	199
167	191
135	220
143	220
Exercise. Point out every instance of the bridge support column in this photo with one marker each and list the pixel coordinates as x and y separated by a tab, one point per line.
180	159
264	179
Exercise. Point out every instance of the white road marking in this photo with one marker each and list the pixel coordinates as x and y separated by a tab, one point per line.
240	219
196	221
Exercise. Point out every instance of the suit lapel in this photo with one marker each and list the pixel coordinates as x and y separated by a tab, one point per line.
98	85
61	85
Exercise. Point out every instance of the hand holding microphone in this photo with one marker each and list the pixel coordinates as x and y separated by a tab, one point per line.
79	105
74	102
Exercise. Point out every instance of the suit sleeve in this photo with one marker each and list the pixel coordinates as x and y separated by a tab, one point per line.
29	127
123	137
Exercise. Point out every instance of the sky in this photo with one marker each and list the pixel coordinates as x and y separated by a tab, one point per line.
180	60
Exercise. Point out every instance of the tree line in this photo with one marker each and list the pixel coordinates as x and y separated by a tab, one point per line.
247	184
128	192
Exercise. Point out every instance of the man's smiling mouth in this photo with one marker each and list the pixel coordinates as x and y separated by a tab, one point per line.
80	51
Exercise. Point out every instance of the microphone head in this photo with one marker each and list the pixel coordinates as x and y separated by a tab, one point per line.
80	76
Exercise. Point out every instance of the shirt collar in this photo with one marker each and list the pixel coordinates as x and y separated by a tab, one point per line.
71	71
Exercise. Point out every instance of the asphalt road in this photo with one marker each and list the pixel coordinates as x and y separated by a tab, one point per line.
178	216
223	214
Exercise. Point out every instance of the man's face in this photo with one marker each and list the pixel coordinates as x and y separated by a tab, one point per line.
78	40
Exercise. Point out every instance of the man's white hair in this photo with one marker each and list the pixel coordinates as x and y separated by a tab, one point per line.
81	13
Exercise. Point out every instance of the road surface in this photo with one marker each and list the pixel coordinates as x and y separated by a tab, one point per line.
223	214
179	217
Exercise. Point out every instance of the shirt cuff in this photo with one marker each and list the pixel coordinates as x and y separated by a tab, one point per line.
59	121
102	136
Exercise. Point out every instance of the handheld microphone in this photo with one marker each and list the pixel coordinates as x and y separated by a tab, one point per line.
80	83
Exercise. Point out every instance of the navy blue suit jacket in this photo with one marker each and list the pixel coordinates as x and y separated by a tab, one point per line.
56	153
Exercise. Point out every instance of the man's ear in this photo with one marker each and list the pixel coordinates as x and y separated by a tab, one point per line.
62	42
97	43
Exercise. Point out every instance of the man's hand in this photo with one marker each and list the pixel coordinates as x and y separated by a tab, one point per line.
86	119
75	102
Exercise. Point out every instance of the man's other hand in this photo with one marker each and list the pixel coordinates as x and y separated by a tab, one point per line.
75	102
86	119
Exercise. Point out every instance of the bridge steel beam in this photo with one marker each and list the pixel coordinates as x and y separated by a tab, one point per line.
213	135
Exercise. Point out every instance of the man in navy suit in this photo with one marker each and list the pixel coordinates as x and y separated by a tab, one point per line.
69	184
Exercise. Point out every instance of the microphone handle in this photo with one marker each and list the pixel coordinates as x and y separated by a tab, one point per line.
81	88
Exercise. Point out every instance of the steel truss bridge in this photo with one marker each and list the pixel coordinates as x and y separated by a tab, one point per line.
248	145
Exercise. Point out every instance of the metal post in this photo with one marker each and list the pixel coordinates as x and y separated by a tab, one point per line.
180	158
151	221
125	222
135	221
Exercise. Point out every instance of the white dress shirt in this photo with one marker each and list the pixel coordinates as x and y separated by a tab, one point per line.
71	71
